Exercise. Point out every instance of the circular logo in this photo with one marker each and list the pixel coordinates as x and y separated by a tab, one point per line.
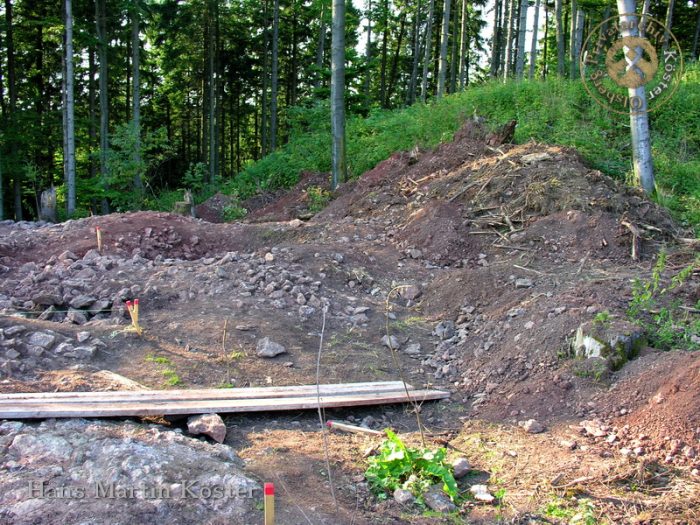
631	63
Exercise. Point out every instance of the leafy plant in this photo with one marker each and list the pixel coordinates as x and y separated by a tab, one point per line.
318	198
581	514
233	212
602	318
415	469
667	324
195	177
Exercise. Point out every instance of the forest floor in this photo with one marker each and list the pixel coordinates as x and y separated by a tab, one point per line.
503	252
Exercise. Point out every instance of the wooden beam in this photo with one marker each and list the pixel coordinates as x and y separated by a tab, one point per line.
114	404
212	393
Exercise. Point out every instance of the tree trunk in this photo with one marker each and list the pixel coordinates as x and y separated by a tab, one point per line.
545	57
533	45
275	75
573	62
522	28
426	57
263	96
509	40
411	96
639	120
395	61
70	113
385	42
101	22
669	24
368	56
212	117
463	47
92	128
495	38
454	59
136	94
697	34
443	48
339	169
12	89
560	37
320	50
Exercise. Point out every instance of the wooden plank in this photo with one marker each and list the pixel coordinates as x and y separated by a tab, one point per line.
209	393
37	409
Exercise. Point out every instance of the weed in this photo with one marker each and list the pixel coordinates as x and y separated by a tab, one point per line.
171	377
318	198
398	466
602	318
666	323
581	514
233	212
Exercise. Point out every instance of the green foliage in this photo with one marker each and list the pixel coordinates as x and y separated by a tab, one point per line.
168	370
399	466
233	212
126	169
602	318
195	177
318	198
583	513
667	324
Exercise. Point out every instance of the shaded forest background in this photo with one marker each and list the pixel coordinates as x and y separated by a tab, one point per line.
171	95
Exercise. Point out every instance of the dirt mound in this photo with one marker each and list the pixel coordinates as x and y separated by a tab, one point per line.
286	205
212	210
146	234
437	200
670	416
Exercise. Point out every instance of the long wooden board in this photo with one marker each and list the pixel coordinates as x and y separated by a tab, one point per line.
183	402
211	393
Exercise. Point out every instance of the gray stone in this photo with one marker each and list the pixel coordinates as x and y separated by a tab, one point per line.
267	348
524	283
12	331
79	453
76	316
481	493
403	497
391	341
460	467
615	341
84	352
83	336
415	253
410	292
12	354
438	501
41	339
82	301
47	299
208	424
445	330
63	349
99	306
48	314
413	349
531	426
306	311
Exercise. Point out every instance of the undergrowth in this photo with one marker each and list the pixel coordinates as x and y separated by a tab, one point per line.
414	469
667	321
553	111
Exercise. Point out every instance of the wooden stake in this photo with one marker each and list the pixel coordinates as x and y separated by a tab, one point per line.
269	503
98	231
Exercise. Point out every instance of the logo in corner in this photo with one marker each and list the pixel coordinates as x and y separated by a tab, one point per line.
626	53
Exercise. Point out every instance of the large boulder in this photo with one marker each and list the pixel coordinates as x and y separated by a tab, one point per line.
614	341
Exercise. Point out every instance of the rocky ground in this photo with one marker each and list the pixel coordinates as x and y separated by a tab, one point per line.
485	260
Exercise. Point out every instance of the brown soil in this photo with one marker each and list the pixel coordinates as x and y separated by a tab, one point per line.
461	223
